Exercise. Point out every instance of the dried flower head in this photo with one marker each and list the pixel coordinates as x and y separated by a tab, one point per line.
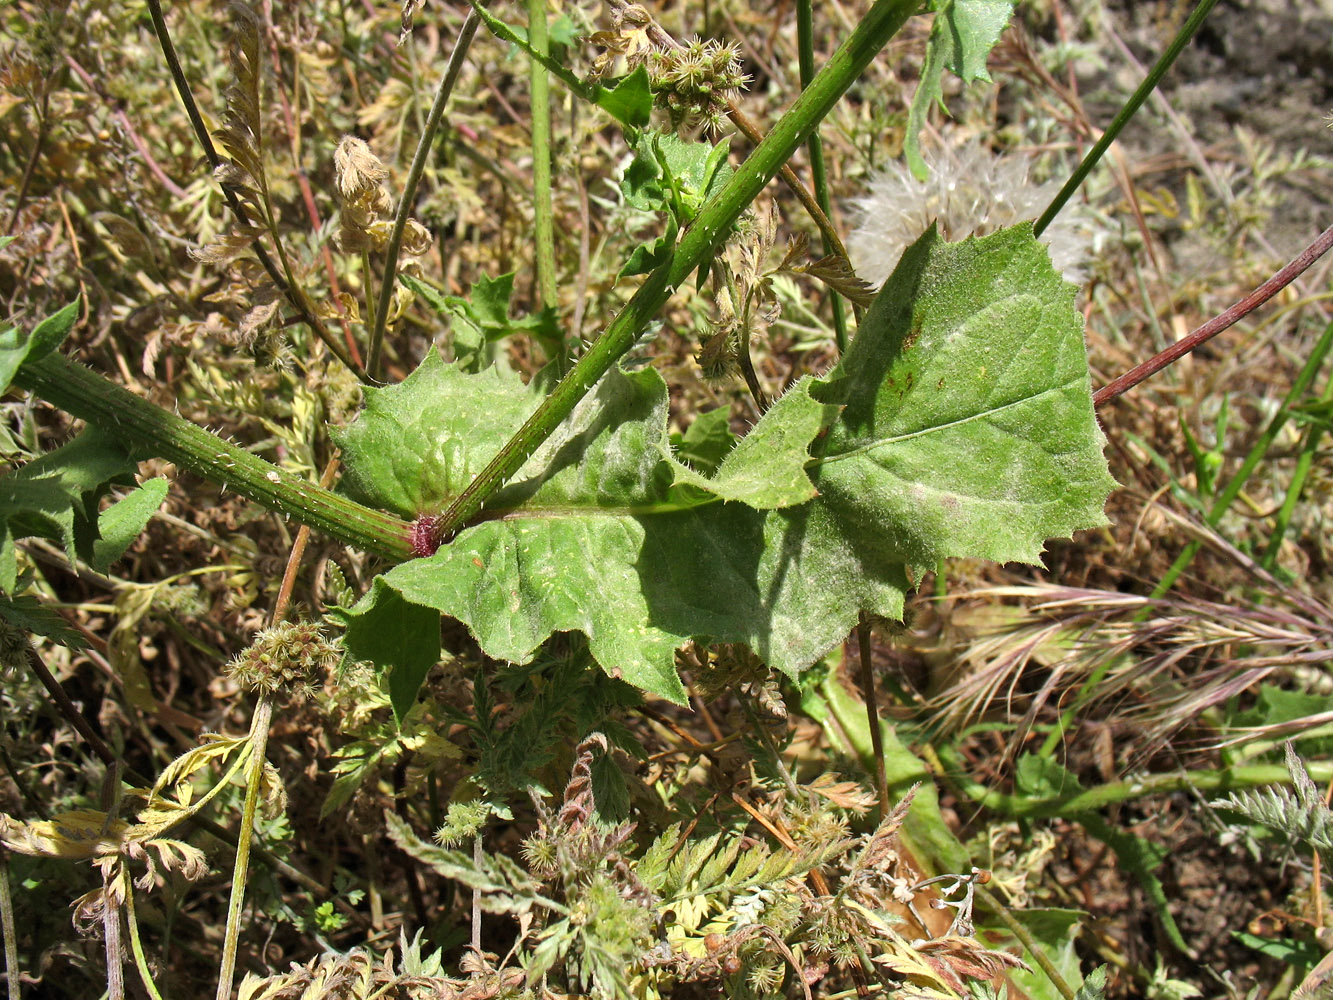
628	44
970	192
357	170
367	207
284	657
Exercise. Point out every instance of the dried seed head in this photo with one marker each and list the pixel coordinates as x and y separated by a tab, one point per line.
286	656
970	191
416	238
357	170
367	206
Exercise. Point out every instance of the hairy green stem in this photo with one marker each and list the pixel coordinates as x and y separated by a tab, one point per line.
391	252
805	53
87	395
1131	107
695	248
241	869
8	930
1116	792
543	222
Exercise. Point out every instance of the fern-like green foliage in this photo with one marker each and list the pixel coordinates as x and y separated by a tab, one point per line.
1297	813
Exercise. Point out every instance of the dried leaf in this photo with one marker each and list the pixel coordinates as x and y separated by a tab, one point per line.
77	835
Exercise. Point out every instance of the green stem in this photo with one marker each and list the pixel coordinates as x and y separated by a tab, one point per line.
695	248
136	946
1117	792
543	216
1034	949
1296	487
87	395
391	252
872	715
1186	32
241	869
805	51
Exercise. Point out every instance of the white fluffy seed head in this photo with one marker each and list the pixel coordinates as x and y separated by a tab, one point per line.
969	192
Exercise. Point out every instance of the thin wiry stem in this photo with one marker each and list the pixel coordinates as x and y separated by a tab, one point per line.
805	49
241	869
293	291
136	945
872	715
1131	107
7	929
1299	264
389	280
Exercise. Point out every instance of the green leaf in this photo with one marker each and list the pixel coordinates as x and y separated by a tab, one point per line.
27	613
968	427
1139	857
1039	777
121	523
672	174
56	496
574	529
630	101
648	255
961	38
399	637
51	332
483	317
46	336
419	443
707	440
1094	987
766	470
965	429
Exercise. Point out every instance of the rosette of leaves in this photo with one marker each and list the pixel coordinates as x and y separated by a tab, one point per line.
959	423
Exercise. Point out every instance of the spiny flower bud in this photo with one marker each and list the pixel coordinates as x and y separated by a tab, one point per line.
695	82
14	647
287	656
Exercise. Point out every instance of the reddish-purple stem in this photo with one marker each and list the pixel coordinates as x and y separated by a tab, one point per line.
1217	324
123	120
